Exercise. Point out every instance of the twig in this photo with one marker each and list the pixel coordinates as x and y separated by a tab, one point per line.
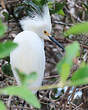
78	107
83	88
61	23
50	77
65	97
3	4
72	98
9	101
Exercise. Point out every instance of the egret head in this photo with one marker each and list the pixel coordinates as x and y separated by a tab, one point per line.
36	18
38	23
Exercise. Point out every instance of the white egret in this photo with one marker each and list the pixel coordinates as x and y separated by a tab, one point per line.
29	56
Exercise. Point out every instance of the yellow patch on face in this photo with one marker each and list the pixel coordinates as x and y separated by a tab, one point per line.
46	33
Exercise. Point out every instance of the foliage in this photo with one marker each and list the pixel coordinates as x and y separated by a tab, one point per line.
30	8
40	2
80	77
80	28
65	65
22	92
6	15
56	7
27	79
2	28
6	48
6	68
2	106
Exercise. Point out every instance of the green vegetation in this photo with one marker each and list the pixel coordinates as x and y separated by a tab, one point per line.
64	67
79	28
2	106
2	28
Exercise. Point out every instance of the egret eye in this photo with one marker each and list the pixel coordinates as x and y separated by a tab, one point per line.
46	33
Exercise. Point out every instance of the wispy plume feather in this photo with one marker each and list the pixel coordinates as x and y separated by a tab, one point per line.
29	8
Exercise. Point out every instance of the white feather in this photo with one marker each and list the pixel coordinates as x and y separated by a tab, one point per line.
29	56
39	23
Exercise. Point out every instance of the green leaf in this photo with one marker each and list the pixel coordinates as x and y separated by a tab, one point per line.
40	2
22	92
65	72
31	77
6	48
80	73
77	29
80	77
59	6
2	28
56	7
2	106
6	68
6	15
72	51
21	75
61	12
65	65
85	6
27	79
78	82
50	5
43	2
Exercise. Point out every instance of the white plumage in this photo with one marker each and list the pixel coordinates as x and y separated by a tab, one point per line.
29	56
38	24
